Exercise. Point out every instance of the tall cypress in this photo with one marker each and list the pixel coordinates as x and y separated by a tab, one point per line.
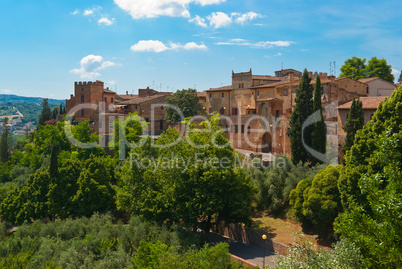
54	165
4	142
319	136
354	123
45	114
302	110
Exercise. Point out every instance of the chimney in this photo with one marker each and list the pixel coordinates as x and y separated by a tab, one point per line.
126	92
291	76
310	74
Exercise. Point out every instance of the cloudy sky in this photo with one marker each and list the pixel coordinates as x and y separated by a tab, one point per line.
46	45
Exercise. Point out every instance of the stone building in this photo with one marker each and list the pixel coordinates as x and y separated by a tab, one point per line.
256	109
378	87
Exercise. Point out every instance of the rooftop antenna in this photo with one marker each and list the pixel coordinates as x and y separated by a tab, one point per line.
334	68
330	68
195	86
160	89
282	65
153	84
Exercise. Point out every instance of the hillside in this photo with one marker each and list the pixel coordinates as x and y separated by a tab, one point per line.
28	107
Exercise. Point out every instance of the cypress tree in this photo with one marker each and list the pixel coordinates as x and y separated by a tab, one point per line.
61	109
319	136
45	114
302	110
4	142
54	166
354	123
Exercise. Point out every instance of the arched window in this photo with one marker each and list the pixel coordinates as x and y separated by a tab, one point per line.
105	99
111	100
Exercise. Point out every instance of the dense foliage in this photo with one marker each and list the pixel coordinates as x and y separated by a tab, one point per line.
186	180
370	187
302	110
97	242
273	186
5	142
356	68
187	101
318	202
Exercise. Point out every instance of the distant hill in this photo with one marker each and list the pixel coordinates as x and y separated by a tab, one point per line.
11	98
29	107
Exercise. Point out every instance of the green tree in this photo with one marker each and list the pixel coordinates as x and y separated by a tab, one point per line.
186	101
55	112
400	78
354	123
184	182
5	142
95	192
379	68
373	172
302	110
322	202
354	68
45	114
53	168
318	136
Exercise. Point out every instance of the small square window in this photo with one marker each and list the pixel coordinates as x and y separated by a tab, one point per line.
236	129
223	94
242	129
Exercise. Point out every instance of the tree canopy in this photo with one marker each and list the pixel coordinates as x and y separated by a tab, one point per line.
319	134
356	68
370	187
354	123
186	101
45	114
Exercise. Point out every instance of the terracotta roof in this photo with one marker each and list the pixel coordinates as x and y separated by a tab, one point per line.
224	88
367	80
202	94
108	91
273	84
139	100
367	102
249	107
268	99
126	96
266	77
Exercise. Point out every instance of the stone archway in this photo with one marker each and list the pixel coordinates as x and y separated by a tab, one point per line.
266	143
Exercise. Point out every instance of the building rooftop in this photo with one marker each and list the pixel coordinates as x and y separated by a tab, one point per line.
224	88
367	102
367	80
136	100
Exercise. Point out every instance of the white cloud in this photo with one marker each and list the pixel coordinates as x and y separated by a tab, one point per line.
92	10
77	11
278	54
154	8
219	19
261	44
149	45
106	21
7	91
396	74
249	16
91	65
158	46
199	21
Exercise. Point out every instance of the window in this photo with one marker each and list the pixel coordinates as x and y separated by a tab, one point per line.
82	112
285	92
242	129
371	116
111	100
82	99
248	129
161	107
210	95
161	124
367	89
82	89
136	107
231	128
277	113
105	100
235	111
236	129
258	93
223	94
146	119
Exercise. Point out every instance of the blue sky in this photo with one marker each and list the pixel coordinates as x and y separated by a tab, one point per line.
46	45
